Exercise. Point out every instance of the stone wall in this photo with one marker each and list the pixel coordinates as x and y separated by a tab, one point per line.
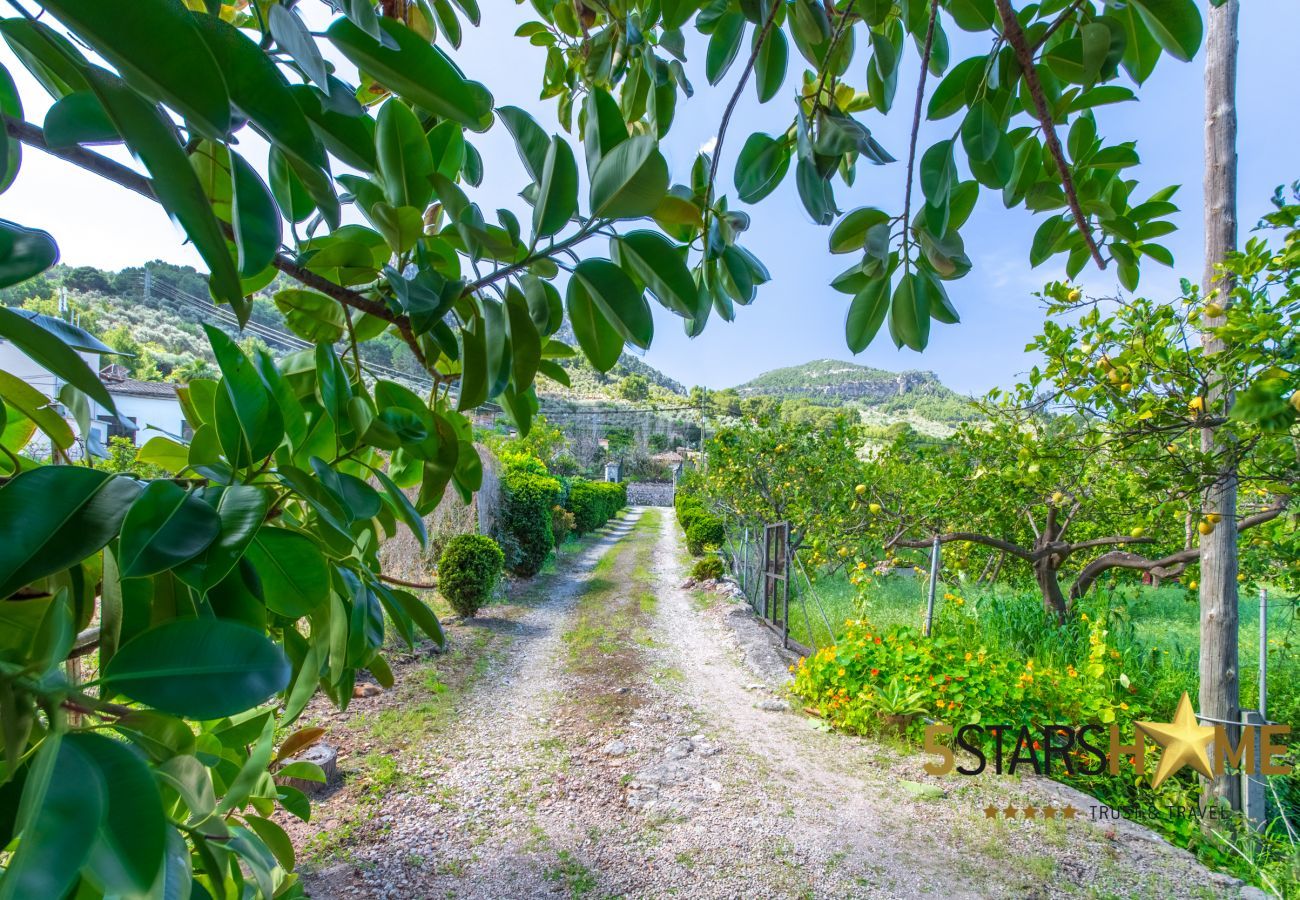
650	493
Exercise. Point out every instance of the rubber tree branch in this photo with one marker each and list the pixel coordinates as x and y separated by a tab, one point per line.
1015	36
916	123
726	116
128	178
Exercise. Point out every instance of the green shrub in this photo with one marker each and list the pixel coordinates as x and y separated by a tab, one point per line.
468	571
704	531
593	503
709	568
561	524
525	521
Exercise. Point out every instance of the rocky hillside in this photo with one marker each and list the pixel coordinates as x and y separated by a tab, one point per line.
836	383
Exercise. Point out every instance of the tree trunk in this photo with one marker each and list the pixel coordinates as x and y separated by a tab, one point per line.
1219	696
1046	573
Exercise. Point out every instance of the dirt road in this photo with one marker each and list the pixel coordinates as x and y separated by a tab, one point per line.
608	733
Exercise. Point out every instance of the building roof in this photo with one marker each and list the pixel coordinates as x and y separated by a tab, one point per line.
129	387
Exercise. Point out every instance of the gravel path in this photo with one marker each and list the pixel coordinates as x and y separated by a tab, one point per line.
635	741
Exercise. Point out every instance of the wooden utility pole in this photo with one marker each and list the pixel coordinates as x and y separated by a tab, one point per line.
1220	696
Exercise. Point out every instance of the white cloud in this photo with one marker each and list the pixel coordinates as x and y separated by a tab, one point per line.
710	145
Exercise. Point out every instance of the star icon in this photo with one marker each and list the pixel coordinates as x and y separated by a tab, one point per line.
990	812
1185	742
1069	812
1049	812
1010	812
1031	811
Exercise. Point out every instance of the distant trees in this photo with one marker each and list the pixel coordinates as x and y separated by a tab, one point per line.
635	388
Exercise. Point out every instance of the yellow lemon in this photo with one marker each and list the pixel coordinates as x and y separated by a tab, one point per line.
1074	295
1204	527
1213	309
1191	585
1241	577
875	507
1196	403
861	489
1213	518
1058	497
1137	531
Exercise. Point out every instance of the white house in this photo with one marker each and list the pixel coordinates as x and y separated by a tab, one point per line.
151	408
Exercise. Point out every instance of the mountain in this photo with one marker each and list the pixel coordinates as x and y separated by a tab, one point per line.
898	396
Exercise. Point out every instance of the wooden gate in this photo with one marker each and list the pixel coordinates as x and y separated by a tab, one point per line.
775	610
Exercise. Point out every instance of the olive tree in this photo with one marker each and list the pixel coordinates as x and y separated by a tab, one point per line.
216	602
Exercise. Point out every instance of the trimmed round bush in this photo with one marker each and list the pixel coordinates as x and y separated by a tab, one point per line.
704	532
468	571
709	568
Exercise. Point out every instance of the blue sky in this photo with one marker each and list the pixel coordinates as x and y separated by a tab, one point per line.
797	317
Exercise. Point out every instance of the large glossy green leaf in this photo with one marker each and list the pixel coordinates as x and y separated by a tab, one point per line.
52	354
525	342
530	140
165	526
68	513
294	38
51	58
260	91
241	509
599	340
249	423
79	118
312	316
867	313
724	43
416	70
661	267
152	137
402	152
1175	24
157	44
630	180
980	131
850	234
63	805
349	137
769	65
11	149
128	851
199	668
619	298
24	253
909	313
605	127
422	615
761	165
36	406
557	190
256	218
294	576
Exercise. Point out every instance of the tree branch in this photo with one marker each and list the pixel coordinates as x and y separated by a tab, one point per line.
126	177
916	123
726	118
1016	37
419	586
1172	564
968	537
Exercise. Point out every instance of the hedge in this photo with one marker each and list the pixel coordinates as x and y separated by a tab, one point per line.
525	521
468	571
593	503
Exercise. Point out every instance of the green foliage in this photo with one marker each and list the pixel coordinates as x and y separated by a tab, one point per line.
562	525
709	568
468	572
326	450
705	532
634	387
525	521
593	503
123	459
